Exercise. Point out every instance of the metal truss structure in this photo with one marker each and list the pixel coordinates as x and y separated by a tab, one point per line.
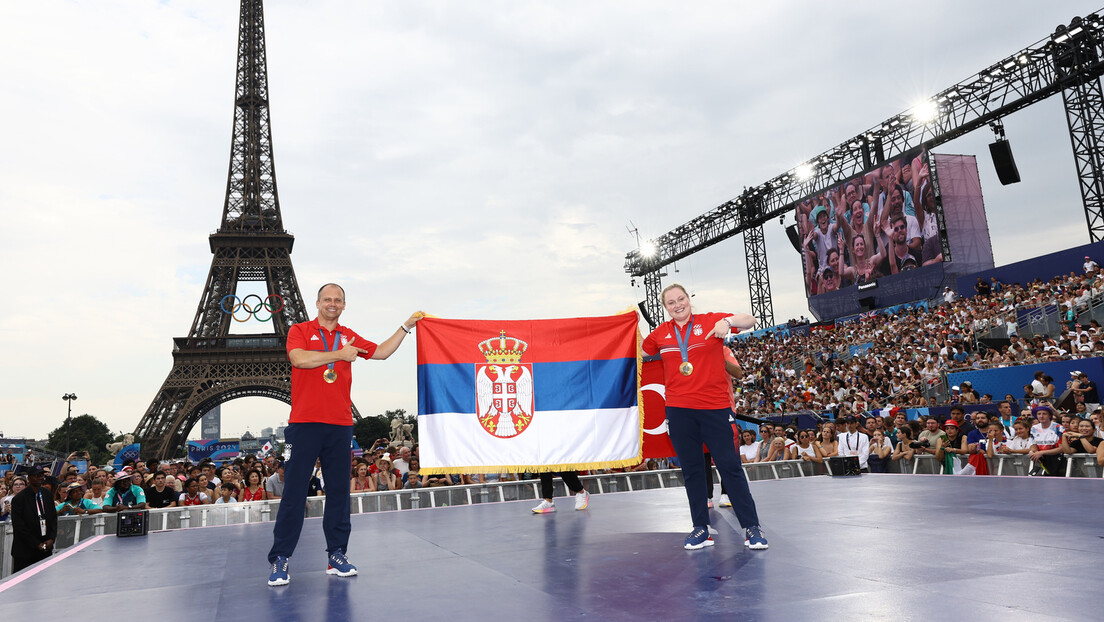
1069	61
211	366
755	250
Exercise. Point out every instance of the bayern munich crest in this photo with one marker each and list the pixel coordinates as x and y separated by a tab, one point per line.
504	387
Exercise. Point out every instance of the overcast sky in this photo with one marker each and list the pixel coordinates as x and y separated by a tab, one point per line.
472	159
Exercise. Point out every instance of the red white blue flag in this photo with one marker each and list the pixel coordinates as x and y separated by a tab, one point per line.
528	395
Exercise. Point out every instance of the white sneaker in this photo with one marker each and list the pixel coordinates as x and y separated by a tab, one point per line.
582	500
724	502
544	507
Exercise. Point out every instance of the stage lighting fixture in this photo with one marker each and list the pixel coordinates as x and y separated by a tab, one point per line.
648	249
804	171
925	112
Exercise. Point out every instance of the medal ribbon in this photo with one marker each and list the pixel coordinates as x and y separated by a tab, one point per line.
684	340
337	340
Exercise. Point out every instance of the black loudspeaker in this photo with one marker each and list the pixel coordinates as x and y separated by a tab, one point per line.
1004	162
867	303
844	465
795	237
644	311
132	523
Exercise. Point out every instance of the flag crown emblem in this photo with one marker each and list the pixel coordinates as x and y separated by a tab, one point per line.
503	349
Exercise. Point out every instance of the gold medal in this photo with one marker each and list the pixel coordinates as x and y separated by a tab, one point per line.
329	376
686	368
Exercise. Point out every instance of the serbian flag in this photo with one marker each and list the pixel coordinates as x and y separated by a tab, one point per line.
528	395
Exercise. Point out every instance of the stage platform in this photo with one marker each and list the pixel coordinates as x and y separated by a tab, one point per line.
875	547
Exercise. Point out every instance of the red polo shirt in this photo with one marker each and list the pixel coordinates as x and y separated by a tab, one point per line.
708	387
313	400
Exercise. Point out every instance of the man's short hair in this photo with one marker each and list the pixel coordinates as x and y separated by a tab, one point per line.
327	285
959	409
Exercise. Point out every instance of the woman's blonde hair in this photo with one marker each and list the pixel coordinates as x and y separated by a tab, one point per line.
663	294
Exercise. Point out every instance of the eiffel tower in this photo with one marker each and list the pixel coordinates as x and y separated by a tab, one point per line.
211	366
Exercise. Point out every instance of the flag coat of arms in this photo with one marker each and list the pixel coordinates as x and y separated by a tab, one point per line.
528	395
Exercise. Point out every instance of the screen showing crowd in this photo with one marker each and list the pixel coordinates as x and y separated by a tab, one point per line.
871	226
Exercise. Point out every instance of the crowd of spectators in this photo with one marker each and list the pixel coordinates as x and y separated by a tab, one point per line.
902	358
1039	432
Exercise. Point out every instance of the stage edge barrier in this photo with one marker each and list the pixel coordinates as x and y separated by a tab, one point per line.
74	529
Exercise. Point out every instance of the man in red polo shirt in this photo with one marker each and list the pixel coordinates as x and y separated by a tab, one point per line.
320	427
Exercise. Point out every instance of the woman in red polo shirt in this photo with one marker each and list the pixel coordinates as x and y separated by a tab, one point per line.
697	406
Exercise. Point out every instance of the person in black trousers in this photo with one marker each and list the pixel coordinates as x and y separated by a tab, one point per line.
34	522
571	480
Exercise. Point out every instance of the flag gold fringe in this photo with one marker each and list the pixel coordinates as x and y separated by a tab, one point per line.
532	468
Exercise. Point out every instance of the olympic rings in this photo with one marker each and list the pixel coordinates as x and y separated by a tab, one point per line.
267	304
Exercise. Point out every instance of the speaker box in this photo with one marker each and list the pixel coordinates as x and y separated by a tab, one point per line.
644	311
844	465
132	523
795	237
867	303
1004	162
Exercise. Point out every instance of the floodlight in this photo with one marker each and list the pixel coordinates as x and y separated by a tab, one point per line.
648	249
804	171
925	112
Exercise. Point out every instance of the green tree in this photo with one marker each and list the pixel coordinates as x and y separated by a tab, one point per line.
86	433
369	429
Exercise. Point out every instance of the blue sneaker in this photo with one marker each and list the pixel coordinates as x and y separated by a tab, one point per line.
754	538
279	574
698	539
340	566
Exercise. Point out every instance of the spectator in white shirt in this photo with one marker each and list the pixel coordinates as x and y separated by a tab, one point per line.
749	447
1020	442
854	443
1047	437
402	463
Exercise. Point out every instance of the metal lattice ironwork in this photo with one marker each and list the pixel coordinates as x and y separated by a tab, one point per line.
653	285
1068	61
210	366
1077	64
755	250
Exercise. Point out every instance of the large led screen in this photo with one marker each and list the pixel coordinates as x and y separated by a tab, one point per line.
871	226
